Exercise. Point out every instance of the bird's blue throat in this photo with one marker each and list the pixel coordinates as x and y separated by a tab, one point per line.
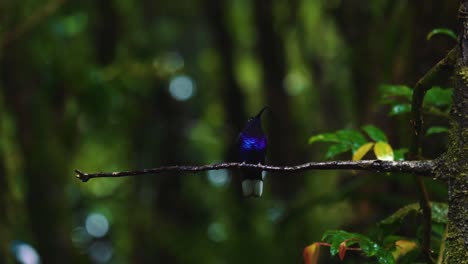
253	143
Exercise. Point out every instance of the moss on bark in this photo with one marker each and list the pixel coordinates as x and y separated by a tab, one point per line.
454	168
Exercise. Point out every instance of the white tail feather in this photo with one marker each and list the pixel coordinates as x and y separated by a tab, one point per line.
258	188
252	187
247	187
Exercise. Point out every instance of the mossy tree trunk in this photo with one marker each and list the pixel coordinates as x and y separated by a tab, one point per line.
454	163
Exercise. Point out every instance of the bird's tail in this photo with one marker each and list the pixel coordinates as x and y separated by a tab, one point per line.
252	186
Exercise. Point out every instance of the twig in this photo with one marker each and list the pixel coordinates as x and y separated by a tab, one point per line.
423	167
442	247
425	205
31	22
422	86
420	89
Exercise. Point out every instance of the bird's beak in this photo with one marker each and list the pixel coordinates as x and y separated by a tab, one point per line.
261	111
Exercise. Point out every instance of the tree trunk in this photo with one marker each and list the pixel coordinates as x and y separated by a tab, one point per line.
454	163
5	234
282	133
231	93
44	157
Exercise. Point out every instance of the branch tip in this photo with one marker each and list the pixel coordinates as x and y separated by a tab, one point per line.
84	177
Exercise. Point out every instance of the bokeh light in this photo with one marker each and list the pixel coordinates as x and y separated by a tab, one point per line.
25	253
168	63
217	232
101	251
182	87
218	178
275	213
296	82
97	225
80	237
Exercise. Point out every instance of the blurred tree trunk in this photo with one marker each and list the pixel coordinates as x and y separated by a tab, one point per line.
372	38
161	137
106	31
156	137
5	226
233	98
44	157
272	55
282	146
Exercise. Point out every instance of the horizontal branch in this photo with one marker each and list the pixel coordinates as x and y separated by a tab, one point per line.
421	167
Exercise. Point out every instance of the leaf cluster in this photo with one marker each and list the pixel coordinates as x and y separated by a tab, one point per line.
382	245
359	143
437	102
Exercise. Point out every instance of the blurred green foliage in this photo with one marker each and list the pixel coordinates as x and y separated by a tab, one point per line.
437	100
118	84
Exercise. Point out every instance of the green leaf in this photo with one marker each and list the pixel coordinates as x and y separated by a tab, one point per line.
399	109
375	133
399	154
369	247
396	91
336	149
439	213
436	130
335	237
389	241
325	137
403	247
353	137
362	151
443	31
385	257
400	214
438	97
383	151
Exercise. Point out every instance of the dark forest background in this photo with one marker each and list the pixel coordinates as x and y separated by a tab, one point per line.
120	84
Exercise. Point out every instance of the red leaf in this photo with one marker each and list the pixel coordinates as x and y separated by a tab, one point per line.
342	250
311	253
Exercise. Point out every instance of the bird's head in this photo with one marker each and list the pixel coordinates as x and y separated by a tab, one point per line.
254	124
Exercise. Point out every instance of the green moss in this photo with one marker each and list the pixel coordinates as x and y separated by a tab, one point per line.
463	73
454	168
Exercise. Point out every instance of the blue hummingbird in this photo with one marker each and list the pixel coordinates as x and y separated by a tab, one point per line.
252	144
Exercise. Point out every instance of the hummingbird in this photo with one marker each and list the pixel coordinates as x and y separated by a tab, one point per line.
252	143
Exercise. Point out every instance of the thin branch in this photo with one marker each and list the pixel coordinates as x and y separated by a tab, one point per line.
423	167
424	203
440	259
31	22
420	89
422	86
